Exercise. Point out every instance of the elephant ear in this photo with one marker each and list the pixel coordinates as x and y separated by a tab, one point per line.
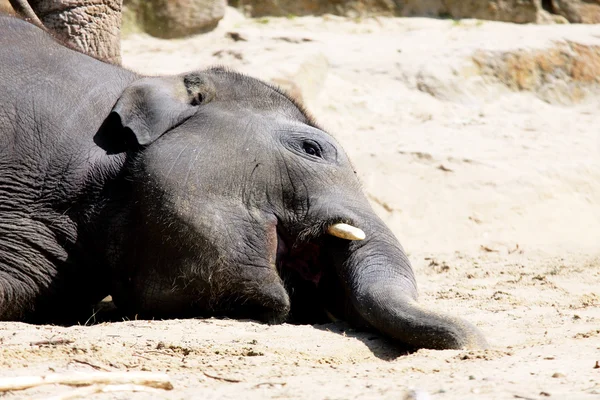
150	107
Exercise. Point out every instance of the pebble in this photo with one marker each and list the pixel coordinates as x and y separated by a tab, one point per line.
416	394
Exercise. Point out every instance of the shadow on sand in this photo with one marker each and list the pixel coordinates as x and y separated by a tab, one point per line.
381	347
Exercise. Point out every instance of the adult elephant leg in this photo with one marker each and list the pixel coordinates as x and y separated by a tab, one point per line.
90	26
23	8
379	282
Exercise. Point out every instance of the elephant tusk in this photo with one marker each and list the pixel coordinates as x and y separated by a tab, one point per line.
345	231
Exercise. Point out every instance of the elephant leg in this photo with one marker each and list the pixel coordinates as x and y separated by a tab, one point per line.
92	27
23	8
17	297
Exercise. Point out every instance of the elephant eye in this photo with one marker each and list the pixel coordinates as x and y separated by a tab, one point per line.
311	148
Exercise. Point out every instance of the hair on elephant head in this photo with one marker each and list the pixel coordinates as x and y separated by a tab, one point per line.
241	205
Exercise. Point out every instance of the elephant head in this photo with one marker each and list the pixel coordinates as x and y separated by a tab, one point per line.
239	204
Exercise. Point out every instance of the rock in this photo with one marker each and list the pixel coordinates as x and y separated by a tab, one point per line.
518	11
578	11
349	8
176	18
521	11
545	17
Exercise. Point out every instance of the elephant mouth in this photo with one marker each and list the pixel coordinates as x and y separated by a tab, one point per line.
308	271
300	259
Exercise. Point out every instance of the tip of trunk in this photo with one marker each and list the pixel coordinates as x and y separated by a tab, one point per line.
402	319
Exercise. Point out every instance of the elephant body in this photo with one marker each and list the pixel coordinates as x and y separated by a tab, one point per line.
207	193
52	101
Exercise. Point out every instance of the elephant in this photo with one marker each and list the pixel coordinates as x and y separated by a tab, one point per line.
208	193
90	26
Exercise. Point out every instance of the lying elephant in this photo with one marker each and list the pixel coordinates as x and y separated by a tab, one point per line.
208	193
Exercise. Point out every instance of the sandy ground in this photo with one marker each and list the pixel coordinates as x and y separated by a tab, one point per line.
494	193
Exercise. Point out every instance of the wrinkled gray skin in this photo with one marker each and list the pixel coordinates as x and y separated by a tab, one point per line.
201	194
92	27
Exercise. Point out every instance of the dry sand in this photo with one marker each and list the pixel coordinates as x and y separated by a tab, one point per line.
494	193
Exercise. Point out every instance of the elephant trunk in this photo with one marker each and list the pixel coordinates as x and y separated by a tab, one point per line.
378	278
90	26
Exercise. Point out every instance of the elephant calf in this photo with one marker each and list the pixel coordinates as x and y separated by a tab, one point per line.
208	193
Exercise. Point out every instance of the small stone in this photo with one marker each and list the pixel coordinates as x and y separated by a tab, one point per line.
236	37
558	375
416	394
179	18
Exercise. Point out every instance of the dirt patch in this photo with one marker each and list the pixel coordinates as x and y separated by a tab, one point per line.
565	73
